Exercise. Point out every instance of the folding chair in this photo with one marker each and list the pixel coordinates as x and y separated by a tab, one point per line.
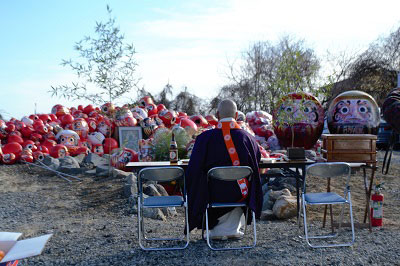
230	173
161	174
327	170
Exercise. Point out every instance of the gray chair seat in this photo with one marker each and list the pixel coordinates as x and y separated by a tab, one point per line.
324	198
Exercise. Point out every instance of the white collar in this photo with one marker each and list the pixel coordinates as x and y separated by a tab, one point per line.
227	119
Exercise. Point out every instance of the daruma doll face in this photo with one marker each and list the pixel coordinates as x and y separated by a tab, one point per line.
301	114
353	112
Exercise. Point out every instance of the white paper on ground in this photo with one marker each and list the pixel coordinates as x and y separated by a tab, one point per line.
27	248
9	236
8	240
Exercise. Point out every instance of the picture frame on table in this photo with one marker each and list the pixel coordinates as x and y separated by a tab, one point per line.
129	137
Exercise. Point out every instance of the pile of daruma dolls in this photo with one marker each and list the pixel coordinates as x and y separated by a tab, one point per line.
82	130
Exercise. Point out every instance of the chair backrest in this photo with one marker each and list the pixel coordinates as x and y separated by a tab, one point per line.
329	170
161	174
230	173
333	169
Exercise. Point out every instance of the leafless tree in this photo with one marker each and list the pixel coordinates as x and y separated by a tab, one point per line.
188	103
268	71
163	96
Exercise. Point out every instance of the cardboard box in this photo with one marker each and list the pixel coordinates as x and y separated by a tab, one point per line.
15	249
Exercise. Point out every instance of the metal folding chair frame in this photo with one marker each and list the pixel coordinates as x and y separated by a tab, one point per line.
328	170
230	173
159	174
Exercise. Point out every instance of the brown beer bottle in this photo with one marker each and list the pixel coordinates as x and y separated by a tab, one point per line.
173	150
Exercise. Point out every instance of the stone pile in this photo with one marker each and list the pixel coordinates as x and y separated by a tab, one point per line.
279	203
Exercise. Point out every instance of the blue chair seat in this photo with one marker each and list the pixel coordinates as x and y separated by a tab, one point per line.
163	201
324	198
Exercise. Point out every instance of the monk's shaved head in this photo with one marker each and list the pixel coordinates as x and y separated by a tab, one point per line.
227	108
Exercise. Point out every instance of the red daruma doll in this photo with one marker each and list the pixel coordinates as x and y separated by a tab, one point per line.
120	159
353	112
298	120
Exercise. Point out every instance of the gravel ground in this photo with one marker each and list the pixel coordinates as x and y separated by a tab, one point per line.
93	224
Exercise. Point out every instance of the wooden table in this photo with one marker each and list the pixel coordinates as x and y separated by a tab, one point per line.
264	163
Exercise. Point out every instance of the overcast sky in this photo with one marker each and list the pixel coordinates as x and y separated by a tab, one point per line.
186	43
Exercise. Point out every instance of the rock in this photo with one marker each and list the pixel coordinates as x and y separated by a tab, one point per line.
132	201
154	213
72	171
282	183
267	202
267	215
95	160
103	170
119	174
130	190
51	162
69	162
131	179
150	190
265	189
161	190
91	172
285	207
274	195
130	187
79	158
70	165
106	157
169	212
134	208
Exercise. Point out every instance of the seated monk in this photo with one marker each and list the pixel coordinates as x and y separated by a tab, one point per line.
211	150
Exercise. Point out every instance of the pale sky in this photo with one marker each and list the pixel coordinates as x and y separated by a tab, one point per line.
186	43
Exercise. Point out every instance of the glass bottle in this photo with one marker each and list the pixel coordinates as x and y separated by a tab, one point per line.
173	150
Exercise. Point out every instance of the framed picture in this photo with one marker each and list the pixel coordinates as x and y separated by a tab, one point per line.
129	137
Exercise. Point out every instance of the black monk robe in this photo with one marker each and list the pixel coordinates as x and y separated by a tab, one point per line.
210	151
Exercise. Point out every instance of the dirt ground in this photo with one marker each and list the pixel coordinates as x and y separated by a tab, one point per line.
35	202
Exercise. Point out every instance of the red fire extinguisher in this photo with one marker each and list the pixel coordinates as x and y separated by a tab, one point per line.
377	207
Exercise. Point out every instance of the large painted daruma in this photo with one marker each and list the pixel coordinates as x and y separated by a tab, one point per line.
353	112
299	113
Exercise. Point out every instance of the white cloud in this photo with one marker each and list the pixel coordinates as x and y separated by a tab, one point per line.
192	50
